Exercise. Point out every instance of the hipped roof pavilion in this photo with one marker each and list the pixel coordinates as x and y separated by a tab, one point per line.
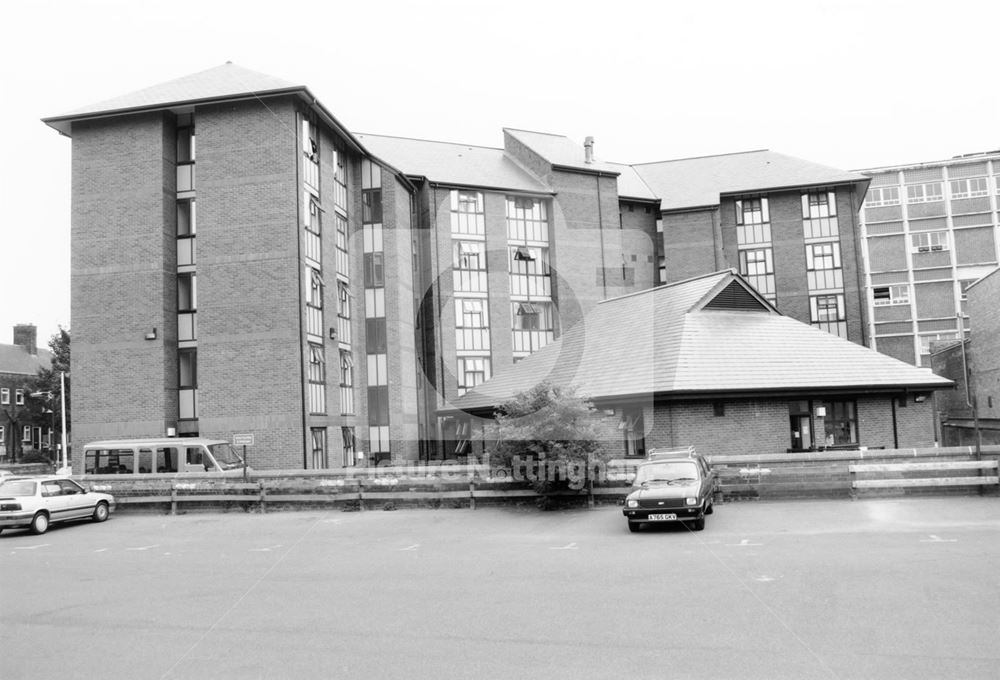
709	337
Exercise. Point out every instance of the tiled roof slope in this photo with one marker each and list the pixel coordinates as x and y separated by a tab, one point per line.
560	150
663	342
698	182
220	82
15	359
452	163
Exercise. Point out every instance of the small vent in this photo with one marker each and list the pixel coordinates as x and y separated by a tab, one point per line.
735	297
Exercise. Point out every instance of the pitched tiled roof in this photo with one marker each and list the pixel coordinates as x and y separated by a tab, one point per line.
452	163
698	182
673	341
560	150
14	359
222	82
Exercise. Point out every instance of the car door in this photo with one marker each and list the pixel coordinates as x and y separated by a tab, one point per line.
78	503
53	500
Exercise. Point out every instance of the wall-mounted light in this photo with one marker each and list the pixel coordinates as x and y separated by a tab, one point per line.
333	333
920	398
152	334
821	411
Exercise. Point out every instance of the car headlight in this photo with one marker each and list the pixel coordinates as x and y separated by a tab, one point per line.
633	504
691	501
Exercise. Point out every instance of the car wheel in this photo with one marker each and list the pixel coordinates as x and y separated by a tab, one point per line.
633	527
39	523
101	512
698	524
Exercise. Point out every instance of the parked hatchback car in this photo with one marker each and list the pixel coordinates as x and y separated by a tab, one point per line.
676	487
37	502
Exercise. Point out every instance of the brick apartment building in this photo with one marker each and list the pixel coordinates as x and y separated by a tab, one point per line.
241	262
25	426
929	230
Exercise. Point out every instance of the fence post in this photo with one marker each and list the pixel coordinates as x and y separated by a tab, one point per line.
263	497
472	494
361	493
173	498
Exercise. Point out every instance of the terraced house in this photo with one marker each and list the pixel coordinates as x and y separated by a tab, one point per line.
243	263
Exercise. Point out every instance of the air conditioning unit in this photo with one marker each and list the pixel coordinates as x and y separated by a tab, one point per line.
924	249
937	247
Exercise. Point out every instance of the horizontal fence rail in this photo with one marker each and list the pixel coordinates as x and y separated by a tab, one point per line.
823	474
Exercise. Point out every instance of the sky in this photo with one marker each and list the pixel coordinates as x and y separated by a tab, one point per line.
846	83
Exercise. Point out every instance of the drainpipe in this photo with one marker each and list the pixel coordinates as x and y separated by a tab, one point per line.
895	428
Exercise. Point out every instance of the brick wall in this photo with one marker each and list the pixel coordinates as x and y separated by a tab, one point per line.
984	312
250	304
690	246
122	272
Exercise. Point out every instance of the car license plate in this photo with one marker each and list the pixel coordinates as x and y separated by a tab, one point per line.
662	517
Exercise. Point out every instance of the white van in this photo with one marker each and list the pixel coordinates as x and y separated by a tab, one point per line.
167	455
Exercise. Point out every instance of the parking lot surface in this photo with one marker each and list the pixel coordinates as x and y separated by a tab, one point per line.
810	589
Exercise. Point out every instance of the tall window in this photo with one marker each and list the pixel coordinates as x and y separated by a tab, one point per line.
634	430
350	455
185	153
343	313
310	154
527	219
753	221
469	266
472	324
529	271
819	214
472	371
314	302
317	379
319	455
346	383
823	270
187	383
827	312
4	395
313	226
533	326
757	265
187	294
19	397
467	213
374	270
186	228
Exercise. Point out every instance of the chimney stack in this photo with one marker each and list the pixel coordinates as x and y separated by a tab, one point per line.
588	149
26	335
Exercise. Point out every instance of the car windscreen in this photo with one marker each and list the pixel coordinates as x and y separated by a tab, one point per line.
667	472
17	487
225	456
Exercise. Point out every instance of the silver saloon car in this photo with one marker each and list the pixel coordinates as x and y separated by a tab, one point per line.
37	502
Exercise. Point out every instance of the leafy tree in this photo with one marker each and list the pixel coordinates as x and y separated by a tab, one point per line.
48	380
547	435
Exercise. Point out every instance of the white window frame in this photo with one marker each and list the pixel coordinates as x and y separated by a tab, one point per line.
26	434
19	397
962	188
899	294
918	193
929	241
4	395
888	195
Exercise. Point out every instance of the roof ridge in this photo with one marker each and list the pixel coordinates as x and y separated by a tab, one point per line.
428	141
711	155
668	286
